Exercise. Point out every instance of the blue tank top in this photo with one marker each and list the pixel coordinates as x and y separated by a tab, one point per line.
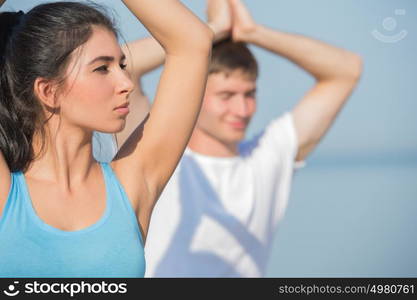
112	247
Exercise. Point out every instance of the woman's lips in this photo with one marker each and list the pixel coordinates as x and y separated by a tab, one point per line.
123	109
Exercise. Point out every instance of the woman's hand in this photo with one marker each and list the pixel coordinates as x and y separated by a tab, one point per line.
243	24
219	18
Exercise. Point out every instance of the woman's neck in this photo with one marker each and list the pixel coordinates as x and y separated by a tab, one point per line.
66	158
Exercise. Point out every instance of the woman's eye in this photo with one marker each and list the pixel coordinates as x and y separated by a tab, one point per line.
102	69
123	66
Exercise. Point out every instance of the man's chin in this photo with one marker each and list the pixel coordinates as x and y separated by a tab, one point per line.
236	137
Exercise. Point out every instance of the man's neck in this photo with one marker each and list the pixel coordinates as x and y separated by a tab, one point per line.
205	144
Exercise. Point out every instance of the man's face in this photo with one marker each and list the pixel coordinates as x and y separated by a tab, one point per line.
229	104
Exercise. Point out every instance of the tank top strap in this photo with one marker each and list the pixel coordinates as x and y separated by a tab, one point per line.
14	201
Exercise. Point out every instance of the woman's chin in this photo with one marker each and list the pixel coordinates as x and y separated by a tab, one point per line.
114	129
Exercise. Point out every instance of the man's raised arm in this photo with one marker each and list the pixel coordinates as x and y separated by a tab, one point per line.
336	71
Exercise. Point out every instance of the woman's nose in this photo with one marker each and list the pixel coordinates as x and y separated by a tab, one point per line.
126	84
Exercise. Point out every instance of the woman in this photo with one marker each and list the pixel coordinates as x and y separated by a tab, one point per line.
63	76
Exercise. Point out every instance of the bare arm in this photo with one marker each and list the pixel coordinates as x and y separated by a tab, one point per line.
144	168
336	72
145	55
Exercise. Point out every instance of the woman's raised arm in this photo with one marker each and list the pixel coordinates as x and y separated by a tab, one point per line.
144	167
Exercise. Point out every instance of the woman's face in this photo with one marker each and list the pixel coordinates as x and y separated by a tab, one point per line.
97	85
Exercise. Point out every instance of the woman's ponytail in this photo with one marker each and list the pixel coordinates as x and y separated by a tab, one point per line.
15	143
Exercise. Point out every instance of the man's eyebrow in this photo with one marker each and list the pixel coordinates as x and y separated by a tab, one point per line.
233	92
226	92
105	58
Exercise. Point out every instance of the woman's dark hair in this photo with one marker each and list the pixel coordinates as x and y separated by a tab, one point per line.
38	44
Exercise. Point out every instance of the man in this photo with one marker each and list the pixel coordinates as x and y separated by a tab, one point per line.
218	214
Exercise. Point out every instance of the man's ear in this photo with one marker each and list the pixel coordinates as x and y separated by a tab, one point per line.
46	91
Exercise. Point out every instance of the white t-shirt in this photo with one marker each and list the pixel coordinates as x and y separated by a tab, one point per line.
217	216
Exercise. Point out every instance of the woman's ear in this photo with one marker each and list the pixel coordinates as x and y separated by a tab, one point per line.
46	91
